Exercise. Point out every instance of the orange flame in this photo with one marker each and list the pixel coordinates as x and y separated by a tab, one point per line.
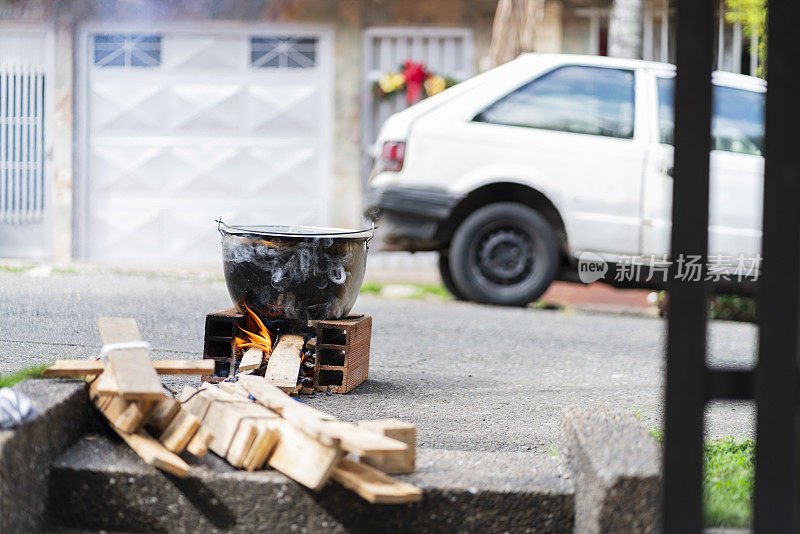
255	333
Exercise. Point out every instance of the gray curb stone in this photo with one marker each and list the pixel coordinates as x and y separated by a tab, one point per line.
100	484
615	466
27	451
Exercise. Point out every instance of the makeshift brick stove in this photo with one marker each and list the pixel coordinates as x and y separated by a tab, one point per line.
337	350
293	288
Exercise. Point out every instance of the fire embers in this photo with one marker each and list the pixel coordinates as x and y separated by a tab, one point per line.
308	367
297	279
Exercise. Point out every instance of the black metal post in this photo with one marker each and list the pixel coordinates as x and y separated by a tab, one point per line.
777	462
688	300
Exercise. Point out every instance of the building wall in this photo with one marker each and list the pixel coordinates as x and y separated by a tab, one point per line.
347	18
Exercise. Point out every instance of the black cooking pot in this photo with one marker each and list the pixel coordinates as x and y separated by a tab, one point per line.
294	272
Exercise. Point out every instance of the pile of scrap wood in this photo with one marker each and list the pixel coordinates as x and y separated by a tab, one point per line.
248	422
126	389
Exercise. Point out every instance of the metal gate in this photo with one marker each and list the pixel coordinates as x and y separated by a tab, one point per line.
445	51
24	187
183	124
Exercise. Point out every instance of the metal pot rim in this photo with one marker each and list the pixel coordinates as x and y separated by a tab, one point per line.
268	230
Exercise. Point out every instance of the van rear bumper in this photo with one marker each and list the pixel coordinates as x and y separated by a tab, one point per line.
410	218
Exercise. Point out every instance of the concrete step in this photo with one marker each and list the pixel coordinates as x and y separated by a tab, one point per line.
100	484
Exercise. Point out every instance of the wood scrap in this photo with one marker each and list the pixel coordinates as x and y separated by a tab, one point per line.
265	442
134	372
303	458
251	359
122	414
283	366
180	431
275	399
374	485
362	442
198	445
76	368
154	453
163	414
392	462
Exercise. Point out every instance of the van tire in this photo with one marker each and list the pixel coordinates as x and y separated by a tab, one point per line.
504	253
447	277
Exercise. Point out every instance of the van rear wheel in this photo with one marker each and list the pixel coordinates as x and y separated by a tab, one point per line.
504	253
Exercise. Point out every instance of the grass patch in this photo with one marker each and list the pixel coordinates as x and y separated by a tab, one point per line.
34	371
371	288
728	479
415	290
65	270
15	268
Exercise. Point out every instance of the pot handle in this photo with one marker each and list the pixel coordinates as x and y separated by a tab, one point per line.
220	224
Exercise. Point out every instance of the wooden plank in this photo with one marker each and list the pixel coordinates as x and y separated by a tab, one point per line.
75	368
133	369
154	453
362	442
302	458
252	359
374	485
184	367
131	419
163	414
265	442
199	443
117	410
283	365
392	463
180	431
107	383
275	399
244	437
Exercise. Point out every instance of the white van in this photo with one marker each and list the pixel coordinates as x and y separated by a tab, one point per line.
514	174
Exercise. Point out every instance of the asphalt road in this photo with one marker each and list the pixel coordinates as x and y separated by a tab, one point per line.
471	377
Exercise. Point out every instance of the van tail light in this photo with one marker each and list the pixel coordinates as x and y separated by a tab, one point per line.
392	156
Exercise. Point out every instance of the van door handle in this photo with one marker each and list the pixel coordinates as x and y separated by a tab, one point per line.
670	171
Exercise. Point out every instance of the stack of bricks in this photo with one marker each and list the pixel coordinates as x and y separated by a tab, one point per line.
342	352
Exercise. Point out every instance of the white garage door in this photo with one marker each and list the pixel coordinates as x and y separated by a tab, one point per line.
184	127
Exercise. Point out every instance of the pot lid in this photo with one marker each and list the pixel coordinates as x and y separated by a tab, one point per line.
269	230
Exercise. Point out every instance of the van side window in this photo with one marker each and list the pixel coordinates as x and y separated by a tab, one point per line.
575	99
737	121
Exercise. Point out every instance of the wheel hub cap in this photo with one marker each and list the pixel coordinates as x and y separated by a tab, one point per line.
505	255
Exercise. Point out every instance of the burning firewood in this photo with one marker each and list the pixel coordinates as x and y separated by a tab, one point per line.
252	359
283	366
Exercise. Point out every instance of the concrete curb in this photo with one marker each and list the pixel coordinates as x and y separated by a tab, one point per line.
615	466
27	451
100	484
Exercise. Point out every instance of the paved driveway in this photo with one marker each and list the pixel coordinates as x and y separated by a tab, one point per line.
472	377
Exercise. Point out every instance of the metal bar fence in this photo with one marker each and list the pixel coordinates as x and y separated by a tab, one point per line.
777	476
688	300
775	384
22	184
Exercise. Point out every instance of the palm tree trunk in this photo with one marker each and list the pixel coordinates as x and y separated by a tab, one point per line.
625	29
514	28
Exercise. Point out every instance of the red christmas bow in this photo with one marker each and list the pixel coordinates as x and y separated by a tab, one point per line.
415	74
